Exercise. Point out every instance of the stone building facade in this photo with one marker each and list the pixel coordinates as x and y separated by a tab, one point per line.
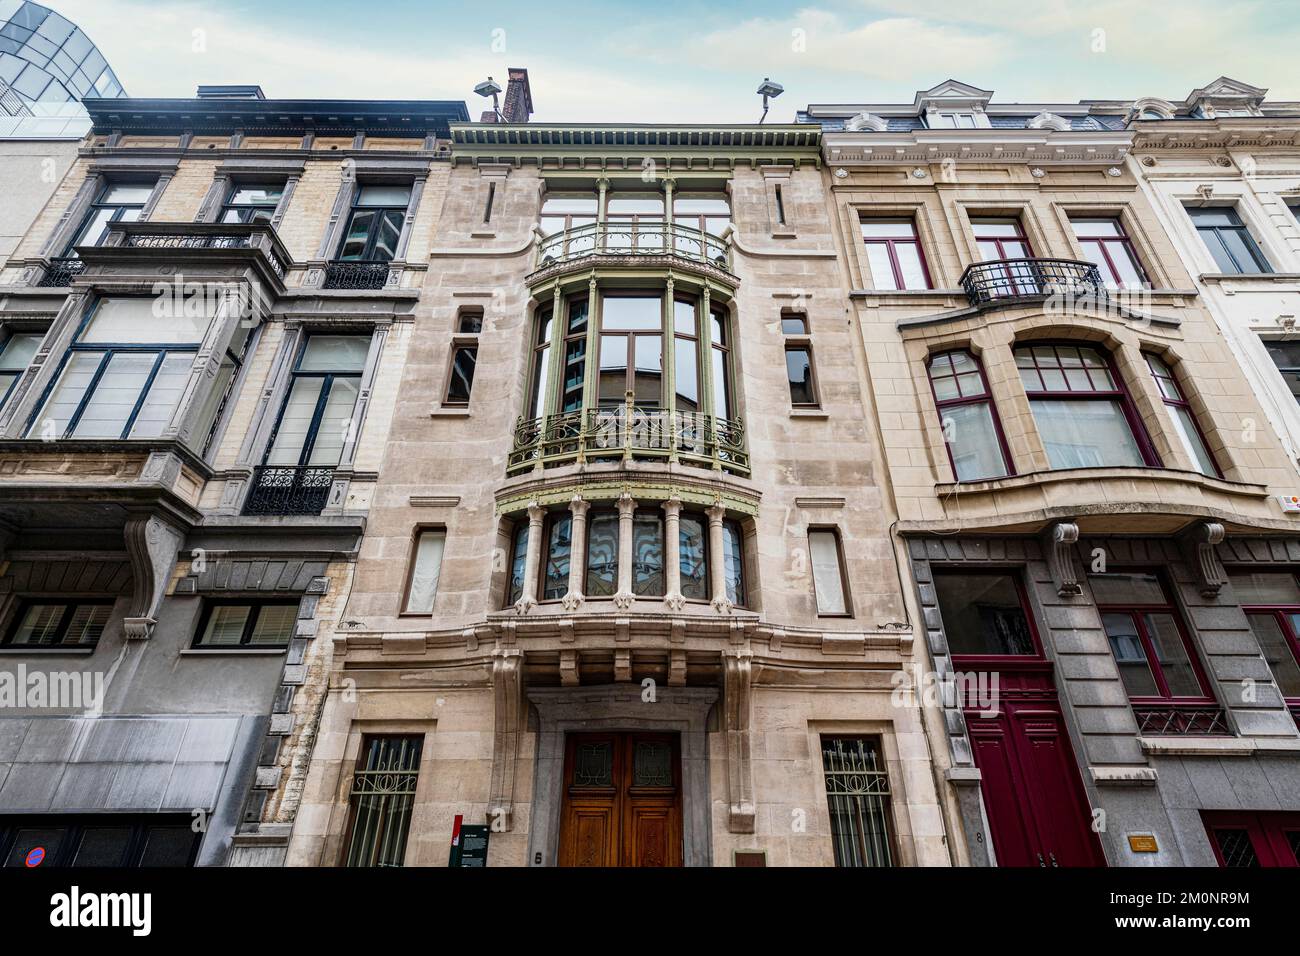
202	332
1084	515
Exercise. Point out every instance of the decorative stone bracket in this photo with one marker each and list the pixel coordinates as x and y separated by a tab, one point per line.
737	691
1058	540
152	545
1199	544
508	707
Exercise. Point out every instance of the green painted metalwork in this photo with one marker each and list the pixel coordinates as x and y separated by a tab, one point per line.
658	238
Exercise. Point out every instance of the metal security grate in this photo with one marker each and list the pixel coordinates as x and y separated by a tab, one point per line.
857	789
383	793
288	491
356	275
1174	721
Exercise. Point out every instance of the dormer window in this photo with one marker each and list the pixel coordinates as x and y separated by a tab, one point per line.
952	119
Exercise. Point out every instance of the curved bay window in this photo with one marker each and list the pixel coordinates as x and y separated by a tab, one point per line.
971	430
632	373
1084	416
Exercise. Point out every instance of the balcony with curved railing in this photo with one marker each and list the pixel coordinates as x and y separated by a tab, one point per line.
655	239
1006	281
628	433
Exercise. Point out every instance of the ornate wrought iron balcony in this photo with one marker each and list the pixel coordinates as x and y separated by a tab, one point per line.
655	238
1008	280
347	274
188	237
627	432
278	490
1176	721
60	272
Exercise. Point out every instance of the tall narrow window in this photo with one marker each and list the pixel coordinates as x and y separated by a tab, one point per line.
780	204
15	355
124	374
426	568
799	374
252	204
1084	417
631	350
733	562
647	553
464	357
518	563
971	430
693	556
558	542
1271	600
686	356
1189	432
828	572
602	554
1105	244
721	348
857	790
1228	240
375	223
541	362
1004	240
894	252
573	376
116	202
383	795
316	419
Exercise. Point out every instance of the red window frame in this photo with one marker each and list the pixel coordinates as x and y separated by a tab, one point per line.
1279	612
1119	393
891	242
1104	242
984	397
1267	831
1180	401
1000	662
1135	612
1016	278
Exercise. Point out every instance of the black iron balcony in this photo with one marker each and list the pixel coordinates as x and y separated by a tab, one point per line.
627	433
1008	280
346	274
278	490
60	273
654	238
1180	721
192	237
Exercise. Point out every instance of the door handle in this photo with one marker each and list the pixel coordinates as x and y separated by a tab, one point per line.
1040	860
1053	859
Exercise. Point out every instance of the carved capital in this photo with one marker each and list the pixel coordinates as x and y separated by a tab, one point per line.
623	600
1058	540
1199	544
626	504
524	605
572	600
722	605
674	601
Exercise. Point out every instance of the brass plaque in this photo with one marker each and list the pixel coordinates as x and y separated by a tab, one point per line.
1143	843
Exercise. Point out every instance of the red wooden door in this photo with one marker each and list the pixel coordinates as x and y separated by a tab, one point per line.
1033	794
1259	839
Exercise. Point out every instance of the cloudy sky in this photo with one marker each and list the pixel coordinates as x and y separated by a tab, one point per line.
671	61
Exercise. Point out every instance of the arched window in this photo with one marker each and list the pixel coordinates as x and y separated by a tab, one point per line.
1084	416
971	430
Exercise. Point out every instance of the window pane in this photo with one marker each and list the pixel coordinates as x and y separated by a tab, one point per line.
631	312
541	372
888	229
212	402
164	395
733	562
649	370
425	573
1126	646
1265	587
909	263
274	624
1171	653
168	846
559	551
721	385
63	401
226	625
87	624
383	195
358	234
18	350
126	193
40	624
973	442
649	205
1243	250
92	233
389	232
1085	434
792	324
256	195
798	365
561	205
28	839
383	794
1277	651
882	270
686	375
133	321
115	395
575	371
295	422
1219	251
1120	588
1186	427
518	564
102	846
647	554
827	583
684	322
1096	227
335	422
982	614
691	550
602	555
462	375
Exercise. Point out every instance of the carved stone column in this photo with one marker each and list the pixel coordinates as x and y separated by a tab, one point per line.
737	694
507	699
152	546
577	552
672	554
718	561
626	508
533	559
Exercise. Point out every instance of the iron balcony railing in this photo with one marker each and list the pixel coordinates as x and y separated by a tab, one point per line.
280	490
628	432
1002	280
654	238
60	272
1181	721
347	274
187	236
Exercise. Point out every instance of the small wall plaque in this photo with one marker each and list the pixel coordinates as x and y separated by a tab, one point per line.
1143	843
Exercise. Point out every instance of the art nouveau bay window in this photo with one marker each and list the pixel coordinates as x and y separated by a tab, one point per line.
1084	416
972	432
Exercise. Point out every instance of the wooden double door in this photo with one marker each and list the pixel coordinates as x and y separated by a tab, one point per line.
622	803
1037	808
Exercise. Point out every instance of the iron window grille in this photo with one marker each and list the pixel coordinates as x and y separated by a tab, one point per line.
858	794
60	272
382	798
1185	423
967	410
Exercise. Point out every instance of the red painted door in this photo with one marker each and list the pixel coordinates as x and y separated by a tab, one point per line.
1246	839
1033	795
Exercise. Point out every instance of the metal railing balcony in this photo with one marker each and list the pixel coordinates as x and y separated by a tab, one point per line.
350	274
628	433
288	490
655	238
194	236
1007	280
60	272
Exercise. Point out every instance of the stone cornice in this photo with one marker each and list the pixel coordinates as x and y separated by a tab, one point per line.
1253	132
921	146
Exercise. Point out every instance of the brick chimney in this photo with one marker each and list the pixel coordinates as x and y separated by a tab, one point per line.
518	105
